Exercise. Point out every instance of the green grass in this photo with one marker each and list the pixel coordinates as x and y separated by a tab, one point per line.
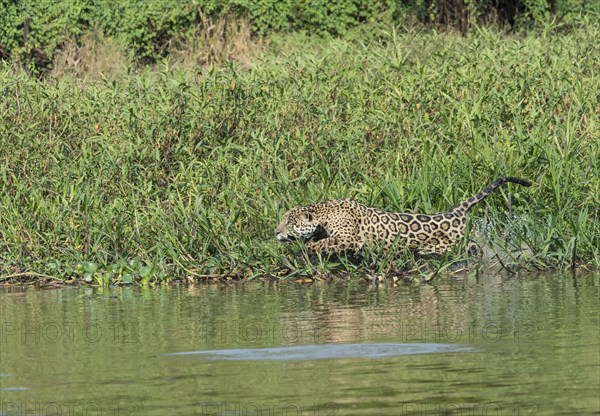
168	173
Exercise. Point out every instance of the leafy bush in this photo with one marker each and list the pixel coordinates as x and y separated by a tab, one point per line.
49	21
335	17
265	15
148	27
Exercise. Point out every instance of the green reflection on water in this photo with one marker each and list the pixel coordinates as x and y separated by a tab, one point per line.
536	347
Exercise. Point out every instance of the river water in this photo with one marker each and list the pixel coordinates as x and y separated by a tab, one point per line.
524	345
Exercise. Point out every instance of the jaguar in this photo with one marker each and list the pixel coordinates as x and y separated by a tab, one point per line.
346	226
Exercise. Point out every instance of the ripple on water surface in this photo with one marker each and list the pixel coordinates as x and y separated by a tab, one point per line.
327	351
11	388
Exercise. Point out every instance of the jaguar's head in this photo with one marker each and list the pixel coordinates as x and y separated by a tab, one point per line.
297	224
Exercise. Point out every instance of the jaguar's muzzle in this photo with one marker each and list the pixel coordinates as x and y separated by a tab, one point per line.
283	237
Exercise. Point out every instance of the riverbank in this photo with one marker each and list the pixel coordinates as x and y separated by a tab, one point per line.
176	174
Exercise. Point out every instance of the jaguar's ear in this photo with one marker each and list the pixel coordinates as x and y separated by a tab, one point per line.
307	216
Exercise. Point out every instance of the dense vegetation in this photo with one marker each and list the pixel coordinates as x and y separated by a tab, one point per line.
169	173
32	31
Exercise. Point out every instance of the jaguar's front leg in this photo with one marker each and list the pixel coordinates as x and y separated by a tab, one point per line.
332	245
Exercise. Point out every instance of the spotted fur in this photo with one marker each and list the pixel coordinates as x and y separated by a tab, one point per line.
344	225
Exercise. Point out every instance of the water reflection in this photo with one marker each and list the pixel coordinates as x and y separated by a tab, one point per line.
528	341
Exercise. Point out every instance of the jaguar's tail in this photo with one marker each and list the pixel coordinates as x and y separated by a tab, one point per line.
467	204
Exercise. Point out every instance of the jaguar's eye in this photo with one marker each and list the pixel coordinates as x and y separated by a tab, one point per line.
307	216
